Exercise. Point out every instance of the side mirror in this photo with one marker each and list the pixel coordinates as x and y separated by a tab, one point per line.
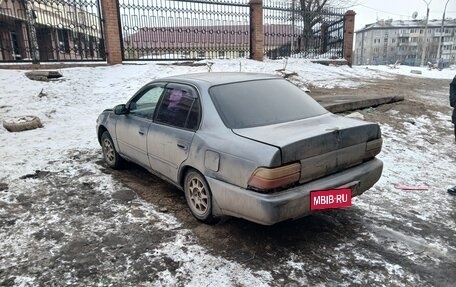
120	110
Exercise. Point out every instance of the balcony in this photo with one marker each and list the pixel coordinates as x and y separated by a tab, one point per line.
442	34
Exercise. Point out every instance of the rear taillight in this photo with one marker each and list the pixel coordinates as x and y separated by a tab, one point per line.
264	179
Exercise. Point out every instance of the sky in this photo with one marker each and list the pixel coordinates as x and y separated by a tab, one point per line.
368	11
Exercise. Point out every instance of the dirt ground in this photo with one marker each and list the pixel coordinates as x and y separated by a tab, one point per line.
323	243
260	246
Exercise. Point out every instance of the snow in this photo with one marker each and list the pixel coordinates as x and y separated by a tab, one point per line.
83	93
425	72
68	109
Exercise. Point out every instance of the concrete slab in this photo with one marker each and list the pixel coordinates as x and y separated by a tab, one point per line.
43	75
340	104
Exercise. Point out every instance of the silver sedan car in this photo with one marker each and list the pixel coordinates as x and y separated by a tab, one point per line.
247	145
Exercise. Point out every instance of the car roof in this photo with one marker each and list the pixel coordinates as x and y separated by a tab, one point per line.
219	78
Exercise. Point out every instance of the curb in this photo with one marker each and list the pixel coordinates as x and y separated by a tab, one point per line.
345	105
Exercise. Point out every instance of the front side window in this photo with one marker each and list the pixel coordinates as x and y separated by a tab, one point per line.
180	107
64	42
143	105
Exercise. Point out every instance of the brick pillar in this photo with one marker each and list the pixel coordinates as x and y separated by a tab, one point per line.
111	31
256	30
349	32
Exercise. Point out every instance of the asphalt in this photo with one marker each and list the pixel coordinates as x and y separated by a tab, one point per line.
340	104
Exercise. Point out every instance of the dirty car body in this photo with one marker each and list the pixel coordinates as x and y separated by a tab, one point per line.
247	145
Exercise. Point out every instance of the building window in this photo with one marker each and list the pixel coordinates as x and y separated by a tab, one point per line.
64	41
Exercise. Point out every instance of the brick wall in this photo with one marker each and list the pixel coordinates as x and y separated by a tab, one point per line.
111	31
256	30
349	32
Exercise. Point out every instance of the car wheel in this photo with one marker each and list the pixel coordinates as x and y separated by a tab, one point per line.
199	197
110	155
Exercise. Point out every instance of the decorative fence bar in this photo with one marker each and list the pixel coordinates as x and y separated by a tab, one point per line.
47	30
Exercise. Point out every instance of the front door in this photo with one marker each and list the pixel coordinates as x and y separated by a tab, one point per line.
132	128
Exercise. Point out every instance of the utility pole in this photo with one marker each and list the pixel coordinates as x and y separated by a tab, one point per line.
423	53
441	31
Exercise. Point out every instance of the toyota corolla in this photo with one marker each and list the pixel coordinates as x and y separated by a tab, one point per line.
247	145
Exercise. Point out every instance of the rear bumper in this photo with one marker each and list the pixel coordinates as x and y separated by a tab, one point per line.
293	203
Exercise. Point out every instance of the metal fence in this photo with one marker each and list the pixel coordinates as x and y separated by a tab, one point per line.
177	30
50	30
71	30
291	31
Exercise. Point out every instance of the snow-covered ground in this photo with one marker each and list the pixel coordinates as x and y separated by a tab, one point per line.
67	144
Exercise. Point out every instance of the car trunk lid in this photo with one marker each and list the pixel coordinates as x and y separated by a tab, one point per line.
323	145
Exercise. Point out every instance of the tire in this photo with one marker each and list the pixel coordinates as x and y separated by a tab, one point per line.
199	197
110	155
22	124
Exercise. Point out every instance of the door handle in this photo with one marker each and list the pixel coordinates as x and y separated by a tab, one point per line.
182	146
141	133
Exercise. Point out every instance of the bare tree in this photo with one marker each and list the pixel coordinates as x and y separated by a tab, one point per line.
312	14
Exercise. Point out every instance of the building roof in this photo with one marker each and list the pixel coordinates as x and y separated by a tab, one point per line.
208	36
391	24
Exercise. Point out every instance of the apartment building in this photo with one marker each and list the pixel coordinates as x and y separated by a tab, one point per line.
402	41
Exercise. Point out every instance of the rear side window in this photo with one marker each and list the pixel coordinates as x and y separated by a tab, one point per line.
262	102
180	107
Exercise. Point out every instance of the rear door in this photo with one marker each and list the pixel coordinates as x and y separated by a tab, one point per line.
132	128
170	135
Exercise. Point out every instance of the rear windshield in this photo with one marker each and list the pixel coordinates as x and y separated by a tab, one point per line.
262	102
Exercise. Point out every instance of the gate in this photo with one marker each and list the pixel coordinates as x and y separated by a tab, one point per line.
290	31
177	30
49	31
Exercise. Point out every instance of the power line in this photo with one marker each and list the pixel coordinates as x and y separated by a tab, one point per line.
396	14
378	10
